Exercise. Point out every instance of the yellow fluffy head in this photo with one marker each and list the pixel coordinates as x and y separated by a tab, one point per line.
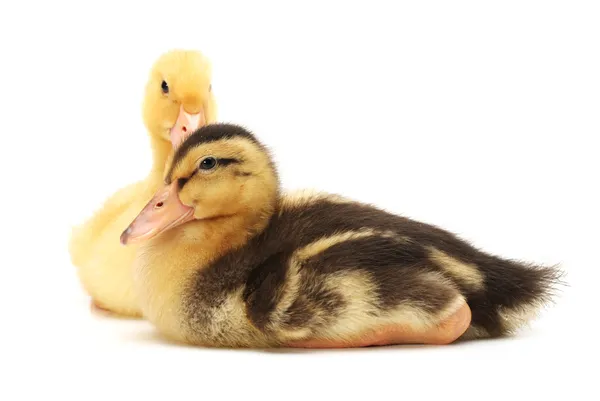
179	78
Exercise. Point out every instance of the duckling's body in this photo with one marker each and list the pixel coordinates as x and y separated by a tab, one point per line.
104	268
178	98
239	265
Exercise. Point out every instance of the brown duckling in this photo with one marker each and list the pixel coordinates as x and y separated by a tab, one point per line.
227	260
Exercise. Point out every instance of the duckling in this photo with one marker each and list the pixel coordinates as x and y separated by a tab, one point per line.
178	99
226	259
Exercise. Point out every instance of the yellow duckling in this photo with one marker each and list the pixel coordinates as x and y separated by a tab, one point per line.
226	260
178	100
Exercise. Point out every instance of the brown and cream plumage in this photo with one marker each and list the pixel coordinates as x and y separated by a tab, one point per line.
229	260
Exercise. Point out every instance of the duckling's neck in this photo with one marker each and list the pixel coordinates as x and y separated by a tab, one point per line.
217	236
168	261
161	148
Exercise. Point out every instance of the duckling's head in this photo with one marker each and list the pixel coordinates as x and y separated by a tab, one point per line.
178	97
219	172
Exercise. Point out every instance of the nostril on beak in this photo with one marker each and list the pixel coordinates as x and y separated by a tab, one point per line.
184	128
159	204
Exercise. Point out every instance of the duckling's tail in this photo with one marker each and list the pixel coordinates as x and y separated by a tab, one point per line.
511	295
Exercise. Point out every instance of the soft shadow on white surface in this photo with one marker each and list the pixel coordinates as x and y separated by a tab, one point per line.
90	354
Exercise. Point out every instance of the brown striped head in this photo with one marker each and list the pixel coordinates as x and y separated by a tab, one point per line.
220	171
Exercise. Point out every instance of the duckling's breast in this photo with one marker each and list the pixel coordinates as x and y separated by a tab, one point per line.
192	300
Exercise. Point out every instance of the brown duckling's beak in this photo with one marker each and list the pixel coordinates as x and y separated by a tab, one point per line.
185	125
164	211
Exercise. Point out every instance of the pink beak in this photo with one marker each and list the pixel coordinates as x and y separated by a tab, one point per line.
185	125
163	212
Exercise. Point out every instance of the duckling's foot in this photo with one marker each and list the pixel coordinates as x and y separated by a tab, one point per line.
445	333
97	308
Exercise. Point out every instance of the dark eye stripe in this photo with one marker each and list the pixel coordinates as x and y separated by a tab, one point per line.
181	182
227	162
221	162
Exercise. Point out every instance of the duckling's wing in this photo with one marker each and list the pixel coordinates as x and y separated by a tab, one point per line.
342	285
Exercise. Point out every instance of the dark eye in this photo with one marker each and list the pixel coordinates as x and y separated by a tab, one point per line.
208	164
164	87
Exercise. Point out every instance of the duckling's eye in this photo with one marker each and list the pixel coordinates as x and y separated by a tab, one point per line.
164	87
208	164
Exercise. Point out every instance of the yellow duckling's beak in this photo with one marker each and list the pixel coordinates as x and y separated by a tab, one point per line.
185	125
163	212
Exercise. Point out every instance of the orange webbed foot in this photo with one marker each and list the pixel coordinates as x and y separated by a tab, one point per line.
446	332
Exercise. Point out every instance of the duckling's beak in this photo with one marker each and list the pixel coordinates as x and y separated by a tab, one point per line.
185	125
163	212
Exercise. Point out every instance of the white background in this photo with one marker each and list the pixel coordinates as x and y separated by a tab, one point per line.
483	116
